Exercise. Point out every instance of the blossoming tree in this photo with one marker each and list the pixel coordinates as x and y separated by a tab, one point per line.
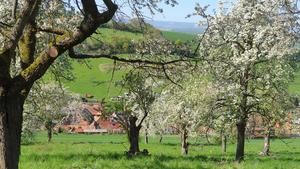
184	108
274	110
40	106
248	47
135	107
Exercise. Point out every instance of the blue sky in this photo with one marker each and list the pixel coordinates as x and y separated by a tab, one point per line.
180	11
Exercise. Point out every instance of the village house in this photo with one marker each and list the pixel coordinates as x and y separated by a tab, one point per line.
89	120
290	128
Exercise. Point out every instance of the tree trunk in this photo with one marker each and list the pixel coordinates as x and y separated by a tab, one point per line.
161	138
48	126
146	134
11	108
266	149
133	136
241	127
184	142
49	131
206	136
224	143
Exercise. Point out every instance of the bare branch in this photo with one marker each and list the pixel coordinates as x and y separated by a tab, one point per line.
142	120
14	8
169	78
73	55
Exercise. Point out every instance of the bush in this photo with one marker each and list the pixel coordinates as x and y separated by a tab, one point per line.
121	44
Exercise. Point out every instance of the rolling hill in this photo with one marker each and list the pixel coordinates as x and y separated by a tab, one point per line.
97	78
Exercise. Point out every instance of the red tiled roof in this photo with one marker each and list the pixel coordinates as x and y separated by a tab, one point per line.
107	124
94	109
98	123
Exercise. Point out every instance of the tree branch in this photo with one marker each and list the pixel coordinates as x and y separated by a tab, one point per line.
7	53
27	43
92	20
74	55
5	24
50	30
17	30
142	120
14	8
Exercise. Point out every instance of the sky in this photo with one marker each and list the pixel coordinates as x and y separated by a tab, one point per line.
184	7
180	11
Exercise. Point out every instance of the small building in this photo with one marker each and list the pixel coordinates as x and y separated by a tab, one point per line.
89	120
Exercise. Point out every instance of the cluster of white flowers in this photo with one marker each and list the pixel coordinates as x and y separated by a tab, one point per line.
182	108
252	31
154	47
59	15
248	50
48	102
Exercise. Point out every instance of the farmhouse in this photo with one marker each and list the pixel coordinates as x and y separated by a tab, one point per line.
89	120
290	128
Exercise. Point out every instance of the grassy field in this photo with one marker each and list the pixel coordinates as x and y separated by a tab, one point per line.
95	79
173	36
107	151
108	35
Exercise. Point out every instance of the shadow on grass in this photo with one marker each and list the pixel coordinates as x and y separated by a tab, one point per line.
95	142
192	144
120	156
77	142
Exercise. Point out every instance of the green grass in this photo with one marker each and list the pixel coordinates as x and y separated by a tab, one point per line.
107	151
294	87
95	79
173	36
108	35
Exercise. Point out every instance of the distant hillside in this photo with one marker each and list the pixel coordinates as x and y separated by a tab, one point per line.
96	79
185	27
173	36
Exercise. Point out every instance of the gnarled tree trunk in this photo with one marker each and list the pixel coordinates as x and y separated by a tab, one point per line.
11	108
184	142
224	143
49	133
48	126
241	127
266	149
133	136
